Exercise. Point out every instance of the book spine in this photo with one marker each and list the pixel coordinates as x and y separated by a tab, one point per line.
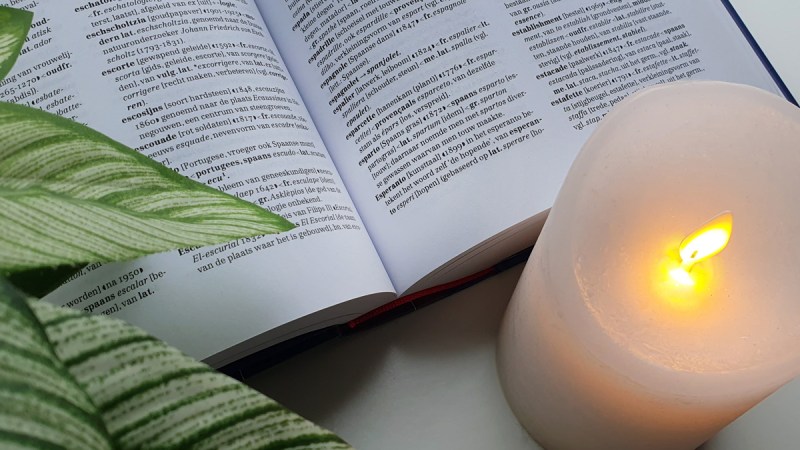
759	52
268	357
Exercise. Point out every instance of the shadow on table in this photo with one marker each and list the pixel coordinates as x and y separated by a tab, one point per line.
427	348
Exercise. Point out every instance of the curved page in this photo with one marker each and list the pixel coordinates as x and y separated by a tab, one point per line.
200	87
453	122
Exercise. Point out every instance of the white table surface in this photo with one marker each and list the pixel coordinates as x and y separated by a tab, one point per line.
428	380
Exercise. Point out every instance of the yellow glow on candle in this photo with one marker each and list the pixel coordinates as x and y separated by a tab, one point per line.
682	276
684	290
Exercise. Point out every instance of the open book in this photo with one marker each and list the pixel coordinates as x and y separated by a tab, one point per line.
412	142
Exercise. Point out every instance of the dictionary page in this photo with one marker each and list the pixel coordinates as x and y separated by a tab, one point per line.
201	88
454	122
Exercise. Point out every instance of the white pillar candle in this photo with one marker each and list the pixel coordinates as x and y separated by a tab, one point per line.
601	348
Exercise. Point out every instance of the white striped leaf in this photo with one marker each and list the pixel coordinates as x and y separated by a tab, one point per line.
70	195
41	404
14	26
149	395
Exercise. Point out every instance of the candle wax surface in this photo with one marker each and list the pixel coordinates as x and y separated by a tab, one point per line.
601	347
665	172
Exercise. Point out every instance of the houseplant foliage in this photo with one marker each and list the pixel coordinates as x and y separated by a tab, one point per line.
68	196
68	380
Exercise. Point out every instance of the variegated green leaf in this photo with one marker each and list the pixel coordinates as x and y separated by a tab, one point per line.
14	26
70	195
152	396
41	405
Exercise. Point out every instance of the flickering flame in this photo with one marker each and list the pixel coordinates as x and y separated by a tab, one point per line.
703	243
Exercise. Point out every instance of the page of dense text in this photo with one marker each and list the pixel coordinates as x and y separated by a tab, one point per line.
452	120
200	87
